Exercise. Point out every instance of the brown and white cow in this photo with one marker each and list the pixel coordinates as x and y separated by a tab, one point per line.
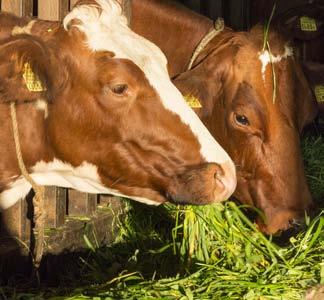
105	117
233	79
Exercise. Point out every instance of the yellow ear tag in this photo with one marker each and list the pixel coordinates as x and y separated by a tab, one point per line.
308	24
319	93
193	101
31	79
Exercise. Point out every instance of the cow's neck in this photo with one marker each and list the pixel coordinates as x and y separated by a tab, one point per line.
174	28
33	138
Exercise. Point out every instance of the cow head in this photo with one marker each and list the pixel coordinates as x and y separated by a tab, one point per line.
115	123
257	122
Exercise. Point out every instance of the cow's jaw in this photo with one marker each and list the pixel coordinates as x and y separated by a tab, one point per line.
84	178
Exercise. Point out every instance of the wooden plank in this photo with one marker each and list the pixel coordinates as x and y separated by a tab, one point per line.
104	200
99	228
64	8
109	201
14	222
13	6
81	204
126	5
18	7
55	205
28	8
52	10
72	3
49	9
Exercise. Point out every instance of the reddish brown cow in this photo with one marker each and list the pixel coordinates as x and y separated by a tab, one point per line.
97	115
233	79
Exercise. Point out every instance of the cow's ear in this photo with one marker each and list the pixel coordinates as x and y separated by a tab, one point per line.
25	70
205	81
197	90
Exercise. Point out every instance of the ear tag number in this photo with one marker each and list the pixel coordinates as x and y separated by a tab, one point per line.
319	93
31	79
193	101
308	24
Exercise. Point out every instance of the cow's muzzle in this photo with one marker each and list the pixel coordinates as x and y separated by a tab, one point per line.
282	220
203	184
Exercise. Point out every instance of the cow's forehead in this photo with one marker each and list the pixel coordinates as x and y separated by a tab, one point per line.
267	58
106	29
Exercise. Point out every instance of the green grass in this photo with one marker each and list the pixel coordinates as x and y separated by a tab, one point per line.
313	153
229	259
210	252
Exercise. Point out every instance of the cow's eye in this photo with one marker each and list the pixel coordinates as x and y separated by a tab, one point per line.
119	89
241	120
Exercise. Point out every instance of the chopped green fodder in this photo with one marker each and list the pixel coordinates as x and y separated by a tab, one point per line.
230	259
208	252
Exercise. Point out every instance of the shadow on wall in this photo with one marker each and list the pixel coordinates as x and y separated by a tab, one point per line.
236	13
69	270
63	244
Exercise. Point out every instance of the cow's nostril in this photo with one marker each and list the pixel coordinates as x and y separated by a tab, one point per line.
296	223
219	173
224	179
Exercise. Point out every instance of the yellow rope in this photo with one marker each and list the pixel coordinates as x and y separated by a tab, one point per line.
38	201
218	27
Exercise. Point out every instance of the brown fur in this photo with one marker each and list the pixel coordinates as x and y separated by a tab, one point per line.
139	147
227	79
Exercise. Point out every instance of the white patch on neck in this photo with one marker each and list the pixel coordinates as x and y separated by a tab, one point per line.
266	58
83	178
41	105
109	31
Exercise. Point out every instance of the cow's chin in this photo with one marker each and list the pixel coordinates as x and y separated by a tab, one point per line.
278	220
143	195
272	219
196	185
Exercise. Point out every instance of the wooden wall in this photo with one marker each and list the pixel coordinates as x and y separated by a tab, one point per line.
45	9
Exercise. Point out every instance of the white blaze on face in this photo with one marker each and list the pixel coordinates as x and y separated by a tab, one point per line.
109	31
265	57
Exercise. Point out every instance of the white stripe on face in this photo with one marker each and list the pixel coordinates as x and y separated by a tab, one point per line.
109	31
